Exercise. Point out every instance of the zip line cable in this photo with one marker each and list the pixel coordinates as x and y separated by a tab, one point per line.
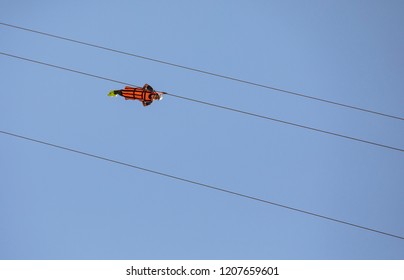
196	183
203	72
211	104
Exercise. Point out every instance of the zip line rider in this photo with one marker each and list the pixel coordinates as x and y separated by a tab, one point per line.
146	94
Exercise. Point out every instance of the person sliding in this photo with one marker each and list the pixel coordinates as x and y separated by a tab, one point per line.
145	94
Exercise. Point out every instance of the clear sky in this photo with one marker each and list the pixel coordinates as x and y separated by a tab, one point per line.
60	205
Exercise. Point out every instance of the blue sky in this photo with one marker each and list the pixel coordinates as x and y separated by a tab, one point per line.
59	205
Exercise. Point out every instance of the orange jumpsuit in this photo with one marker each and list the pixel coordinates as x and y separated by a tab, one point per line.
144	94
